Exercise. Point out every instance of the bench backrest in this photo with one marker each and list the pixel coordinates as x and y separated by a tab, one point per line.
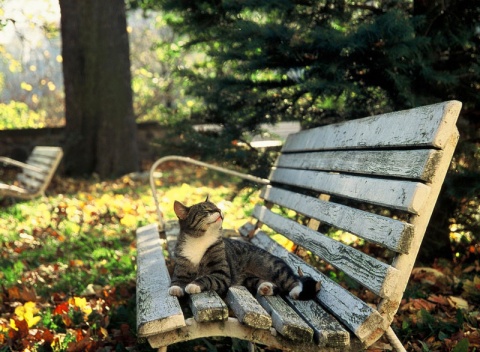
377	178
44	162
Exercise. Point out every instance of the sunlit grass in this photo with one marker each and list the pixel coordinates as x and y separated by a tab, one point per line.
89	234
79	241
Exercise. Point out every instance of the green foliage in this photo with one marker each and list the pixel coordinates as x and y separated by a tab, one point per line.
325	61
285	61
159	92
322	61
18	115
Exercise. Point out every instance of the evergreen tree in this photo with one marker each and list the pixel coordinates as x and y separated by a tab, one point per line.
326	61
318	61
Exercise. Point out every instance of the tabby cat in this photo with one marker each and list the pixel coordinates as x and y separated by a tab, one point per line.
204	260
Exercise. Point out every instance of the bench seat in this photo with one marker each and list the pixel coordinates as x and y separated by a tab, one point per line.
376	179
36	174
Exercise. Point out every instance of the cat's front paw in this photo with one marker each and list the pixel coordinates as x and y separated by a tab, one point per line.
175	291
193	288
266	289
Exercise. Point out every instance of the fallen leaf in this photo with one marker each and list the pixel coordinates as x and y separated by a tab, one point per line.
92	290
61	308
27	312
418	304
458	302
438	299
428	275
22	294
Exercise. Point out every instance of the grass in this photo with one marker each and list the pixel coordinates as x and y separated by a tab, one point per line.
78	245
67	268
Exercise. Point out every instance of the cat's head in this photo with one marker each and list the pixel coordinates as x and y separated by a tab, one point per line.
199	218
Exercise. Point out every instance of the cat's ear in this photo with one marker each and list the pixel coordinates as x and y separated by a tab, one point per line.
181	210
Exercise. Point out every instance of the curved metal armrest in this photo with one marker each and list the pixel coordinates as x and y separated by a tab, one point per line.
244	176
6	160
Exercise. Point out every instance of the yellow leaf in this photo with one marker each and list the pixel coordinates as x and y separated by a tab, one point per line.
457	302
35	99
129	220
31	307
31	319
13	325
20	311
81	302
26	86
27	312
14	66
284	242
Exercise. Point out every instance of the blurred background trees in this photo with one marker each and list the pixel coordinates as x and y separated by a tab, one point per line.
242	63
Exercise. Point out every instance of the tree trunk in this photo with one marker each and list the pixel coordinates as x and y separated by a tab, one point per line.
101	132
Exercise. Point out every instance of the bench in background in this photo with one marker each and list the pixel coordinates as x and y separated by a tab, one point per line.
377	178
36	174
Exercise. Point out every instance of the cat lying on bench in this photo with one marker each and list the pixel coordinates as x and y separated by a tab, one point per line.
204	260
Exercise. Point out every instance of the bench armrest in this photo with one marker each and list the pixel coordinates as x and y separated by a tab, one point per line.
9	161
160	161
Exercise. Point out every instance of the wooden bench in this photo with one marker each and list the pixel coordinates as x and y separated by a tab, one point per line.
36	174
377	178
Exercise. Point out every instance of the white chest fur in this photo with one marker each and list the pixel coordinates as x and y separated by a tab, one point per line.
195	248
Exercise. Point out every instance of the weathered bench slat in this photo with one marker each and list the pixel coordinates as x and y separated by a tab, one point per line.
41	168
377	276
40	160
36	173
47	151
393	234
233	328
157	310
425	126
285	320
247	309
327	330
29	182
208	306
410	164
396	194
358	316
394	161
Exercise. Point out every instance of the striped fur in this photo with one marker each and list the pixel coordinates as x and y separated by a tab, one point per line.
204	260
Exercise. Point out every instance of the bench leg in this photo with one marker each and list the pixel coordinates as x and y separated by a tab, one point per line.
394	341
162	349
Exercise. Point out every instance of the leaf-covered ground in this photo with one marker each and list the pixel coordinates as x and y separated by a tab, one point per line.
67	269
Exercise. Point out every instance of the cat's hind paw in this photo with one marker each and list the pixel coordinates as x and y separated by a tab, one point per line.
193	288
175	291
266	289
295	292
